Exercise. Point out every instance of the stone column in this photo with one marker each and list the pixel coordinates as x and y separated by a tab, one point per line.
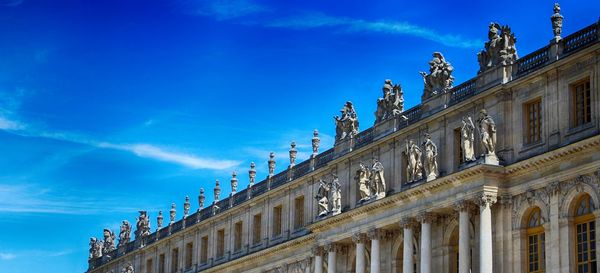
318	253
426	219
376	235
408	225
485	202
332	250
360	239
464	249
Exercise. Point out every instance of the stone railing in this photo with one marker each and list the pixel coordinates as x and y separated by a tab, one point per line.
525	65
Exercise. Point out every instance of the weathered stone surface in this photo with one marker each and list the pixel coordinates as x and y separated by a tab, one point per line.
439	80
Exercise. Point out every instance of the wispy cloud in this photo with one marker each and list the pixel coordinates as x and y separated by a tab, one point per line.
349	25
33	253
223	9
7	256
11	3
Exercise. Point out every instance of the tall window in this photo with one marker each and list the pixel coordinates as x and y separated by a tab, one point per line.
204	250
175	260
237	244
277	220
149	266
299	212
581	112
535	242
585	235
161	263
189	253
533	121
256	229
220	243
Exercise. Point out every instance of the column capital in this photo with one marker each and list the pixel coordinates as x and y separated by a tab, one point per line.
377	234
359	238
553	188
335	247
427	217
318	251
486	199
408	222
463	205
506	200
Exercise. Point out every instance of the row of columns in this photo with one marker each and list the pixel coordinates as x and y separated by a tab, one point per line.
409	224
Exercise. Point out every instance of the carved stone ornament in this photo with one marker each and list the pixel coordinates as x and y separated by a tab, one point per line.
234	183
336	195
439	80
377	179
252	174
484	200
201	198
124	233
293	153
499	49
377	234
318	251
271	164
487	132
363	182
557	22
217	191
186	207
414	167
430	159
346	125
95	248
159	220
316	141
391	104
427	217
109	241
142	225
128	269
467	139
172	214
359	238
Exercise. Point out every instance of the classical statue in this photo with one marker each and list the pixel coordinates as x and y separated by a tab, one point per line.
362	179
128	269
414	168
439	80
557	22
142	225
315	143
172	214
500	48
234	182
487	131
467	139
377	179
336	195
186	207
252	174
293	154
431	152
95	248
216	192
109	241
346	125
159	220
323	197
392	102
124	233
271	164
201	198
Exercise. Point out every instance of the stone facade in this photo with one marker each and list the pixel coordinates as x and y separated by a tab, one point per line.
474	204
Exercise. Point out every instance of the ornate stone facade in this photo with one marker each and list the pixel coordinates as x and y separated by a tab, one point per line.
456	180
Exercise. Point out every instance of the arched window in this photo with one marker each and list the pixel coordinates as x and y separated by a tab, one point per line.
535	242
585	236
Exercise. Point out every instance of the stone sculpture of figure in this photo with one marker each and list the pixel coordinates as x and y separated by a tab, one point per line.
271	164
431	152
201	198
500	48
172	214
128	269
315	142
252	174
186	207
336	195
467	139
109	241
362	179
414	168
234	183
95	248
557	22
142	225
392	102
487	131
217	192
346	125
323	197
377	179
439	80
124	233
159	220
293	154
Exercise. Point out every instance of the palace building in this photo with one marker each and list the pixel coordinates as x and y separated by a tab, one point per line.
498	174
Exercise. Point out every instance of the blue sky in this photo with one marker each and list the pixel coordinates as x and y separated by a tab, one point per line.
109	107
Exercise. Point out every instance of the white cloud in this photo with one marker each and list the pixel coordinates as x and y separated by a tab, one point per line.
33	253
223	9
7	256
7	124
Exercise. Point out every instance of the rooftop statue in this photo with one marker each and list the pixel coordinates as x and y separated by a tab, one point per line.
186	207
95	248
159	220
293	154
377	179
109	241
557	22
414	167
201	198
271	164
439	80
315	143
467	138
323	197
217	191
252	174
346	125
124	233
234	182
431	153
499	49
172	214
142	225
392	102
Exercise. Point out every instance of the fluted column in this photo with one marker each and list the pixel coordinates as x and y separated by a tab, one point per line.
464	249
332	251
318	253
376	235
485	201
408	225
360	239
426	219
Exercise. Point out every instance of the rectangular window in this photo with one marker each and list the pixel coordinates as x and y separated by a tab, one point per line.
149	266
175	260
536	253
299	212
581	112
220	243
277	221
237	246
458	151
257	229
586	247
189	253
161	263
204	250
533	121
